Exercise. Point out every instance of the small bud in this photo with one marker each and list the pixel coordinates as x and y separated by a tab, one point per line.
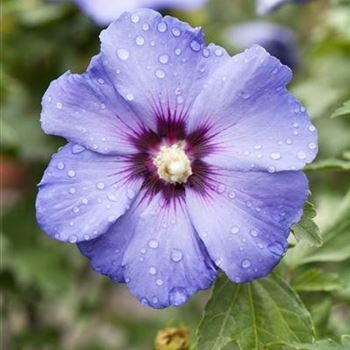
173	339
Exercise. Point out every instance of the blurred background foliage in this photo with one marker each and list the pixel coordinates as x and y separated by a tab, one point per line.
51	299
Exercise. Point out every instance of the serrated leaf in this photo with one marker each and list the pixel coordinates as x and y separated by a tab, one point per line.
329	165
313	280
252	315
335	245
342	111
306	228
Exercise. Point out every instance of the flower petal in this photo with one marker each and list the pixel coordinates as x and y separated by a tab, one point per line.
255	122
106	11
278	40
83	193
160	66
86	109
246	221
165	262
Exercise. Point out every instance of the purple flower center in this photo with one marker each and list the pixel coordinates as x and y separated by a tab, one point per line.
169	158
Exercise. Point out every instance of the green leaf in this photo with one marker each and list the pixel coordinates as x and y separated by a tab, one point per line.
328	344
313	280
306	228
252	315
329	165
335	240
342	111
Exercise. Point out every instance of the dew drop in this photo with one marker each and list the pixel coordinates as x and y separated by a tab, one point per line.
195	45
77	149
276	248
245	263
180	99
123	54
143	301
135	18
176	32
60	166
235	230
152	270
206	53
218	52
301	155
75	210
178	296
140	40
253	232
178	52
160	74
257	147
159	282
153	243
275	156
312	128
129	97
100	81
155	300
145	27
85	201
112	197
176	255
71	173
232	194
73	239
312	145
59	105
100	186
221	188
162	27
164	59
72	190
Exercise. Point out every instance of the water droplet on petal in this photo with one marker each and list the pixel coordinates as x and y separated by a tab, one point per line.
245	263
135	18
164	59
145	27
206	52
312	145
100	186
153	243
176	255
195	45
159	282
73	239
160	74
72	190
155	300
218	52
129	97
162	27
275	156
59	105
144	301
140	40
176	32
312	128
71	173
60	165
301	155
232	194
123	54
77	149
254	233
276	248
178	296
112	197
235	230
152	270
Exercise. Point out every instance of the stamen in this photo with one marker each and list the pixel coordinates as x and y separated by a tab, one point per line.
173	164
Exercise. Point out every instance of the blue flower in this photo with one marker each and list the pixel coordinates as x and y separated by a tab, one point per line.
105	12
278	40
180	160
264	7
